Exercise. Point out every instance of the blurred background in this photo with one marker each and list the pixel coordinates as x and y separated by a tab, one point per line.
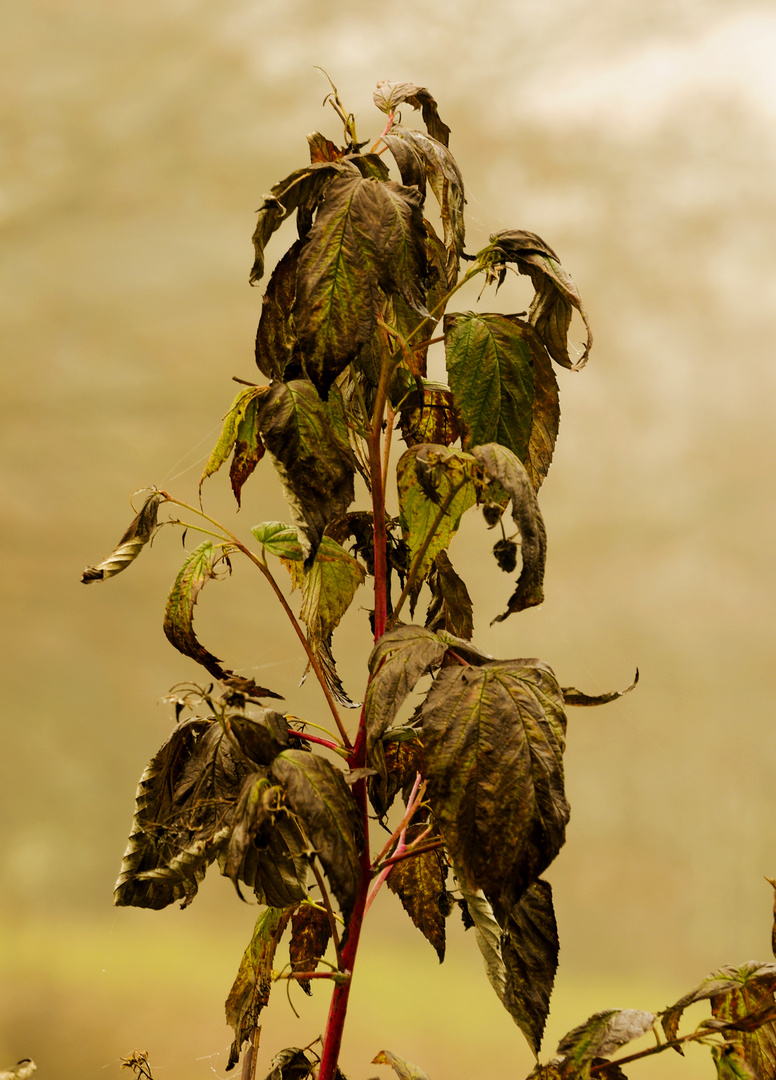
138	140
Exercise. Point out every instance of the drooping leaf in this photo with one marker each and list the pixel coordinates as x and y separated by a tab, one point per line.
248	449
307	439
429	416
493	738
370	165
368	236
301	189
451	606
183	812
599	1037
488	936
389	96
310	934
571	696
229	434
399	659
504	387
419	882
276	333
555	296
436	486
293	1064
403	1069
505	468
397	758
197	570
131	544
251	989
416	154
324	807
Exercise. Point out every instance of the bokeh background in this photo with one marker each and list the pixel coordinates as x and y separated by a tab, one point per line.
138	139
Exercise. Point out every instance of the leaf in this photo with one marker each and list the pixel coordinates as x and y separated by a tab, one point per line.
503	467
183	811
504	387
419	882
248	448
308	441
493	738
436	486
555	292
399	659
398	758
276	333
229	437
323	149
773	925
310	934
131	544
576	697
196	571
324	807
293	1064
416	154
600	1036
301	189
428	416
731	1064
251	989
529	947
367	235
488	936
402	1068
450	608
389	95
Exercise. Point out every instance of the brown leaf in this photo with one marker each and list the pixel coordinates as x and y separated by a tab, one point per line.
576	697
310	934
419	882
131	544
389	95
450	608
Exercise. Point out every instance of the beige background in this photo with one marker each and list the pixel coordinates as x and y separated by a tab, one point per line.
138	140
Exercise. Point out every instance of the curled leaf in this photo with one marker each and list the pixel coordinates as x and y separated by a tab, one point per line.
600	1036
131	544
571	696
239	434
399	659
389	95
403	1069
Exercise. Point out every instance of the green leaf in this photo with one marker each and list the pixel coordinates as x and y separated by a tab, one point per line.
131	544
276	333
403	1069
251	989
399	659
326	812
599	1037
504	387
367	236
450	608
419	882
436	485
503	467
494	738
389	95
301	190
310	934
280	540
731	1064
229	437
555	292
417	154
308	441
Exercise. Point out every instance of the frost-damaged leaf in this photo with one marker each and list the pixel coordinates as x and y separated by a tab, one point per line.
301	189
599	1037
402	1068
571	696
397	758
131	544
367	234
436	486
742	997
251	989
429	416
294	1064
417	154
451	606
196	571
399	659
183	812
251	450
555	292
276	333
529	947
324	807
506	469
419	882
323	149
310	933
308	441
389	95
504	387
494	738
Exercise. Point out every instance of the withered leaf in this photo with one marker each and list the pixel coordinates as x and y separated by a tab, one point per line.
419	882
276	333
599	1037
506	469
389	95
131	544
555	292
251	450
451	606
493	740
323	149
403	1069
398	758
310	934
399	659
326	812
429	416
293	1064
308	441
504	387
571	696
251	989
